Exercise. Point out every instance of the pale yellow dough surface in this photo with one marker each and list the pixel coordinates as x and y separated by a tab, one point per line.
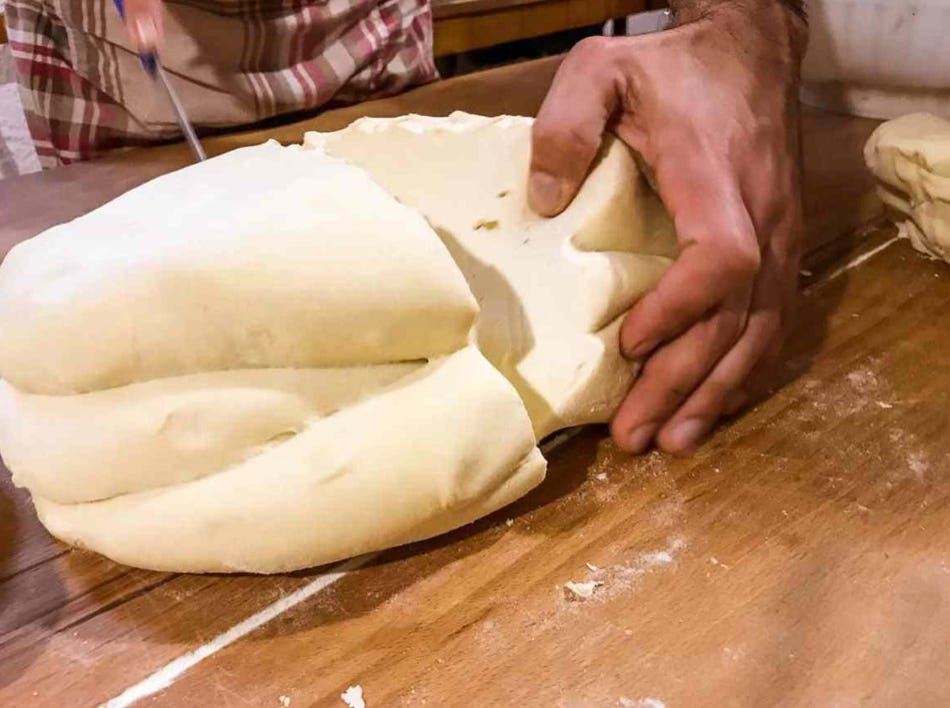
284	357
910	157
263	257
550	290
330	492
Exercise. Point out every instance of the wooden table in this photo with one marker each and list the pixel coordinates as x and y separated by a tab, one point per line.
802	558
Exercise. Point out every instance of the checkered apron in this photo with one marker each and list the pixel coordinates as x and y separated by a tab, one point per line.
233	62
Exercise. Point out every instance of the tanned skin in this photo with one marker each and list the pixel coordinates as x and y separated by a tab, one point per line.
711	108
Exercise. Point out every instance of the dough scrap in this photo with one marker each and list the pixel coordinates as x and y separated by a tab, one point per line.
348	355
910	157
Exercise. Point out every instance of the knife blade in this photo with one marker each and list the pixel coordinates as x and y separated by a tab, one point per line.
153	68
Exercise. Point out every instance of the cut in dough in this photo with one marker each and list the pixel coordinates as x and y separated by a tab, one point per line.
407	464
283	357
910	157
98	445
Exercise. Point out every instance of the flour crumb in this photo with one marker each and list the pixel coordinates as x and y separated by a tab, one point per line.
591	567
641	703
885	406
509	522
657	558
602	477
714	560
663	557
284	701
863	380
918	465
581	591
353	697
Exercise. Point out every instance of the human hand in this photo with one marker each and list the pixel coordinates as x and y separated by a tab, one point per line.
711	107
144	22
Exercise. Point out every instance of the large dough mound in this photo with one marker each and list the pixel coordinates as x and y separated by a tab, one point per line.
910	157
274	359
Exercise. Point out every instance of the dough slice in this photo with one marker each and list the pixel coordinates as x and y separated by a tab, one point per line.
441	448
266	257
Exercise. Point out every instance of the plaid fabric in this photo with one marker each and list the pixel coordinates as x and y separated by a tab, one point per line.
233	62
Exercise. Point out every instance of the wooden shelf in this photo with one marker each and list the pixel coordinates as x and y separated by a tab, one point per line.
464	25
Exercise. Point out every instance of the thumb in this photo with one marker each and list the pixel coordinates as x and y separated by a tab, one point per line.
569	129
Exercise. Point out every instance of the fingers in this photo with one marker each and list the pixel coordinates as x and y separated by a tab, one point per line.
696	417
719	256
671	375
732	382
700	279
143	18
569	129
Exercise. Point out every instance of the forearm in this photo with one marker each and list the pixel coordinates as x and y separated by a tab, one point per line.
690	10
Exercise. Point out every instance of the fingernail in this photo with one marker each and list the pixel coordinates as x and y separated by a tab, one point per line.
642	349
641	438
545	193
687	434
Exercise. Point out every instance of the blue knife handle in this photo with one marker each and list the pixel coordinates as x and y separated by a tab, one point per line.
148	59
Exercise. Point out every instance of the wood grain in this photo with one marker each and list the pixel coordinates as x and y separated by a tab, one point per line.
801	558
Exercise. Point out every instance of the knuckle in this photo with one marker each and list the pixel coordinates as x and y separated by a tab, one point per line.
728	326
741	260
596	49
662	309
716	390
655	368
670	383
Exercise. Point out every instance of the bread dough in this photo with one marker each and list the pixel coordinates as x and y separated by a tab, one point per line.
263	257
283	357
102	444
551	291
910	157
409	463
